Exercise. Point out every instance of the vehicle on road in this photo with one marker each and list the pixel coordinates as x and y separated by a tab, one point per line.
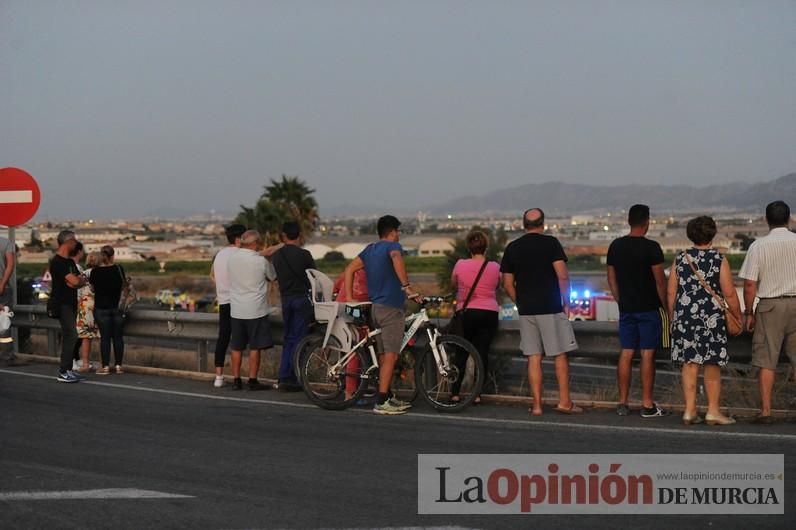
167	297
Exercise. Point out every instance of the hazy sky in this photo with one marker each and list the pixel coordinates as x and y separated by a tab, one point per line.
135	107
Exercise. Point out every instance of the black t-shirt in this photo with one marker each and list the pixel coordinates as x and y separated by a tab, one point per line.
61	293
530	259
633	258
290	263
107	283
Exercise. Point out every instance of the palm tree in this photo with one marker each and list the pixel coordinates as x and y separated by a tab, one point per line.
298	200
289	199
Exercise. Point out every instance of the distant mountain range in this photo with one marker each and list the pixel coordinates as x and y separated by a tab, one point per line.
565	198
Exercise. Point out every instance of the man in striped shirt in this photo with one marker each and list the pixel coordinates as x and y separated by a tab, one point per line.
769	274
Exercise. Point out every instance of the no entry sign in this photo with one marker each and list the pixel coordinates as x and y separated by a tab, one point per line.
19	197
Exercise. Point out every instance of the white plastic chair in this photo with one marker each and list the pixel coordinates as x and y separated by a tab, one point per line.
328	311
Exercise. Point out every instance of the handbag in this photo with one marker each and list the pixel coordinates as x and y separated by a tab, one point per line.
734	326
456	324
129	296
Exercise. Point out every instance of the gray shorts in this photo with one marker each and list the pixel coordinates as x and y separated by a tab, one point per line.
391	322
775	332
548	334
252	332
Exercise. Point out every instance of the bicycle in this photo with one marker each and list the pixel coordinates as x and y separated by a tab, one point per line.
335	377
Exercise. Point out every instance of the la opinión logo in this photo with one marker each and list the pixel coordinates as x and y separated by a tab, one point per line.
504	486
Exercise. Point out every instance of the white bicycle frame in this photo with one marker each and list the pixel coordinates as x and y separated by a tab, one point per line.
415	321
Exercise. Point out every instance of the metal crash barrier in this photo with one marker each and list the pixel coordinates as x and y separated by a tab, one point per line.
598	340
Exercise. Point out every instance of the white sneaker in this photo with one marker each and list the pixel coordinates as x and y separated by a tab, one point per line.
76	364
219	382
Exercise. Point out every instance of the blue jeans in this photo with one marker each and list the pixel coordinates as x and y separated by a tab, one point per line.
294	315
110	322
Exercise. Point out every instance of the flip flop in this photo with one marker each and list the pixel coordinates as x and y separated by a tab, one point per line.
574	409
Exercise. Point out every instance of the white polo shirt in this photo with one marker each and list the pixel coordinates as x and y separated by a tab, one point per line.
249	274
221	273
771	262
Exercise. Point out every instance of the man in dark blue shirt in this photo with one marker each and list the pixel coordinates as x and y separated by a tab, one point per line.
388	288
291	263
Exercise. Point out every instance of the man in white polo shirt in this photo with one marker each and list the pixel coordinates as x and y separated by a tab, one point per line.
769	273
249	274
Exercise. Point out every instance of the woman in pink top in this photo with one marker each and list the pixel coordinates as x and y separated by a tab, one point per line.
481	313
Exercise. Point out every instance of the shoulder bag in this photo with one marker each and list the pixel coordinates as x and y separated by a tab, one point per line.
128	296
456	324
734	326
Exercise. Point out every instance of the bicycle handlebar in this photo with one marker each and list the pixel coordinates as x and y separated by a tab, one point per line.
432	300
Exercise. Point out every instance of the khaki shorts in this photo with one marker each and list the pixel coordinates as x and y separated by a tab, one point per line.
549	334
391	322
775	332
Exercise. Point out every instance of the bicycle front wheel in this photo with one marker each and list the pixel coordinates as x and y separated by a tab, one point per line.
463	376
327	385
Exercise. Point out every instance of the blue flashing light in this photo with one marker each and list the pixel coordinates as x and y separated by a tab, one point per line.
587	294
573	295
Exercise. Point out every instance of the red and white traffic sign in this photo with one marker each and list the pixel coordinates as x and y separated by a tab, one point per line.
19	197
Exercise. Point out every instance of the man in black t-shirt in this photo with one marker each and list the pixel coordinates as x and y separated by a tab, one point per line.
66	280
637	281
291	262
535	276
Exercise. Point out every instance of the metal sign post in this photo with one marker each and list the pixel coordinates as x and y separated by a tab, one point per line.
20	198
12	236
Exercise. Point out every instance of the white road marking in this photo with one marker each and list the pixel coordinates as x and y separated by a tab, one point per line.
409	528
111	493
536	423
16	196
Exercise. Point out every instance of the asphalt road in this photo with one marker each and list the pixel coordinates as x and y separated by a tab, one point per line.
272	460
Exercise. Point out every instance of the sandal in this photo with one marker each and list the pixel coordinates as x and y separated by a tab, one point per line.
573	409
455	399
477	400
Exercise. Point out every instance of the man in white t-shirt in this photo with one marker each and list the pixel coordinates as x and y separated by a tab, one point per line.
249	274
769	274
220	275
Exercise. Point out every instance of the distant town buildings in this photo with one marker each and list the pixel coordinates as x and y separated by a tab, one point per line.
199	239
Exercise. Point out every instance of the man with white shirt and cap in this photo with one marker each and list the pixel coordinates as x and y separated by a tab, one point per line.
769	273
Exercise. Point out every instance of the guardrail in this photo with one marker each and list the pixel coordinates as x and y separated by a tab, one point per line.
200	328
598	340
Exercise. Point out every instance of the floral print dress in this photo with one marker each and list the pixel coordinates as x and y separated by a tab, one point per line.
698	330
86	326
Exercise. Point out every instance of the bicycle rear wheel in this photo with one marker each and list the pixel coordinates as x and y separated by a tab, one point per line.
327	387
307	340
464	374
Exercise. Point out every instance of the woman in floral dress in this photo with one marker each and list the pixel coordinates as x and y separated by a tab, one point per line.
699	334
86	327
